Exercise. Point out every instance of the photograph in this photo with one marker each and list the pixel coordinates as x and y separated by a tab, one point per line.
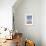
22	22
28	19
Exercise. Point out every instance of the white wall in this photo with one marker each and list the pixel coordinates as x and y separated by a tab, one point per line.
30	31
32	6
6	13
43	22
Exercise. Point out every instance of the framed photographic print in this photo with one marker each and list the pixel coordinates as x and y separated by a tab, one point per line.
28	19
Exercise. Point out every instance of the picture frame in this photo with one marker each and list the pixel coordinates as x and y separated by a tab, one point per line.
28	19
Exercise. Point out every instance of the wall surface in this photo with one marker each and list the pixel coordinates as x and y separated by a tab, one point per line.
32	32
6	13
43	22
